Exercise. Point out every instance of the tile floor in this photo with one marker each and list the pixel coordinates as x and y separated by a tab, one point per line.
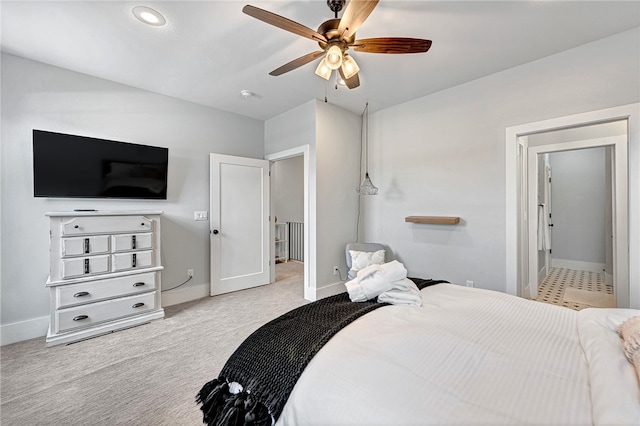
552	288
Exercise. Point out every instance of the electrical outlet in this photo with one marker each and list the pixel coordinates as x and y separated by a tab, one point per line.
201	215
469	283
189	273
335	270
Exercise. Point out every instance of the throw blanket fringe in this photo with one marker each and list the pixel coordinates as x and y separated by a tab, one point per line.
221	407
269	362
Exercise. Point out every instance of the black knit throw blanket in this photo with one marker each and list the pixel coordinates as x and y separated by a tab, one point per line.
269	362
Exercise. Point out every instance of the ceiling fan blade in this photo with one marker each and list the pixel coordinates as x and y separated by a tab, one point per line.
392	45
284	23
354	15
351	83
297	63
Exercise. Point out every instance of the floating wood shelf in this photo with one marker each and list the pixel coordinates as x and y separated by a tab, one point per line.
440	220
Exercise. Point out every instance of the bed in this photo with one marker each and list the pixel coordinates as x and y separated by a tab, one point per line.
467	356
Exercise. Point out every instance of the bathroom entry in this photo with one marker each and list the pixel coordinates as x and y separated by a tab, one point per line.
572	235
575	228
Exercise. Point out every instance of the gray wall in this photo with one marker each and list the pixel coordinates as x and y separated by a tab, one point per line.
288	190
35	95
444	154
579	202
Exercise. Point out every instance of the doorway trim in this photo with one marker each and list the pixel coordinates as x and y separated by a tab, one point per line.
309	260
620	209
514	135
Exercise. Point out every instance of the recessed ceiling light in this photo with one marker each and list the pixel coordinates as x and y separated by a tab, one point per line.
247	94
149	16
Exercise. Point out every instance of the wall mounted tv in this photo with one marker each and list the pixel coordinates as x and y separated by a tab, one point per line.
68	166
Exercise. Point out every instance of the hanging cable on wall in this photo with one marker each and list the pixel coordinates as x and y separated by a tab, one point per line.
366	187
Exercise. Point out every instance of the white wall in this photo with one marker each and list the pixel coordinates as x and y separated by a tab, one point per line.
288	190
35	95
337	154
578	198
444	154
333	136
293	129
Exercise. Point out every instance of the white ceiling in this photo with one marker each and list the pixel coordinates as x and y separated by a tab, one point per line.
209	50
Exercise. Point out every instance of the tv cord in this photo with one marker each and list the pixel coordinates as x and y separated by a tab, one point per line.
179	285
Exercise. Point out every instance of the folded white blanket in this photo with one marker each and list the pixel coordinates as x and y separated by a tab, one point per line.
374	280
391	271
404	292
388	282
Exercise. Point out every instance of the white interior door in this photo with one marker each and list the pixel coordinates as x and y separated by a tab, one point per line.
239	223
548	198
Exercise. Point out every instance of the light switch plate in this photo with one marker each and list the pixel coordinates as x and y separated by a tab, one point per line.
201	215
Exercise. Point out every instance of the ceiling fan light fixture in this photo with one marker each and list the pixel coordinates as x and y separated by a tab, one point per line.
323	70
149	16
349	67
333	57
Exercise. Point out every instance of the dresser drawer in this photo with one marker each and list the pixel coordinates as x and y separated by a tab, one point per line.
86	315
83	266
128	242
135	260
93	291
77	246
106	225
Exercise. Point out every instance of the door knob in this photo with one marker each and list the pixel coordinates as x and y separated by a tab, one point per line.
215	232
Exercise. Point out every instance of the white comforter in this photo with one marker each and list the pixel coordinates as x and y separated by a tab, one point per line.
470	356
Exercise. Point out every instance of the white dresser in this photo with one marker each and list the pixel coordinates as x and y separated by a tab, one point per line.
104	272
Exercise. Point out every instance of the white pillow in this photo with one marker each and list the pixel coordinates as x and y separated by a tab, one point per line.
362	259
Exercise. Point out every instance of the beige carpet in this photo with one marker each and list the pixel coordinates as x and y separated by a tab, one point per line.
591	298
147	375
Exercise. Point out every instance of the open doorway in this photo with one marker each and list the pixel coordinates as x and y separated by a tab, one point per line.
289	205
521	220
574	228
288	211
580	202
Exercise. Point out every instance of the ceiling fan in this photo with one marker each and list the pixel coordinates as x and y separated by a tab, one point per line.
336	36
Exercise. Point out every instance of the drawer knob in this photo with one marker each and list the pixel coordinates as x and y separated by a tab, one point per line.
81	317
138	284
77	226
138	305
81	293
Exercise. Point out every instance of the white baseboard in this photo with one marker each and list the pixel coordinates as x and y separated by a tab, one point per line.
608	278
23	330
330	290
542	274
184	294
577	265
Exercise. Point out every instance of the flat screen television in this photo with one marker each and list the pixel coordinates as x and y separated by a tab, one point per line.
69	166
